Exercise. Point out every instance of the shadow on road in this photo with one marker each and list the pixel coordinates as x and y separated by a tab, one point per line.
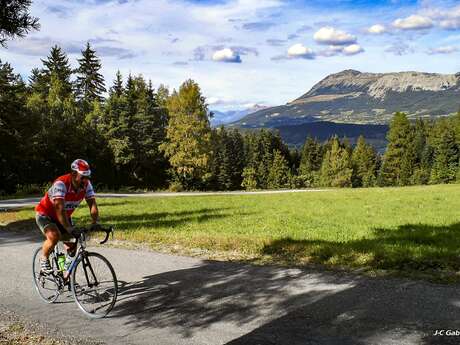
293	306
17	232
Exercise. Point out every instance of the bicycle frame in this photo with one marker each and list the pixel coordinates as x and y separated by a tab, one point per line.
80	252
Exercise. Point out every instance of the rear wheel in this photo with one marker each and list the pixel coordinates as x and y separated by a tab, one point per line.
47	285
94	285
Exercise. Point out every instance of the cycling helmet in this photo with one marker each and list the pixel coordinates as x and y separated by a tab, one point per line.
81	166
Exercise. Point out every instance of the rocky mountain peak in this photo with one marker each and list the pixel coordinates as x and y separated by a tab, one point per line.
378	85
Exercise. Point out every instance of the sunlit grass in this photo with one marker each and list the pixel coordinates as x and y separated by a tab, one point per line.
410	229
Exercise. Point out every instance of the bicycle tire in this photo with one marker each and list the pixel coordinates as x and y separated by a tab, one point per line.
40	280
81	288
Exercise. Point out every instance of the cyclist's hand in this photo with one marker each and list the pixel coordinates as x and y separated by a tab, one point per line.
95	227
75	233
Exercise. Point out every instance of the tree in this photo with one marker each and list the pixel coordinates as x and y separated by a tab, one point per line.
310	162
423	152
117	87
398	158
364	164
90	83
336	168
279	174
446	152
15	20
134	127
249	178
15	129
56	64
188	135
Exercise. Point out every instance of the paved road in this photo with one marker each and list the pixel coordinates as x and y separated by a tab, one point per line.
15	203
168	299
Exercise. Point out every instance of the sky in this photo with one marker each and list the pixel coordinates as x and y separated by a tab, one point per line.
245	52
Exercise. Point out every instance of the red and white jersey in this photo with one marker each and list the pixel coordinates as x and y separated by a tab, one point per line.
62	189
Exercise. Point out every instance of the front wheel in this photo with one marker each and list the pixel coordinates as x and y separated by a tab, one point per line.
94	285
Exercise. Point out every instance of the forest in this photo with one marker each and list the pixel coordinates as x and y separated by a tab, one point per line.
144	137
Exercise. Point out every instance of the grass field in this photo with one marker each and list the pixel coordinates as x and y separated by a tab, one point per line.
413	231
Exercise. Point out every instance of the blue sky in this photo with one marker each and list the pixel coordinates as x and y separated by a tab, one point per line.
243	52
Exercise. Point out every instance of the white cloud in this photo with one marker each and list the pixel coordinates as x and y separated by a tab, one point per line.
448	18
226	55
443	50
352	49
300	51
331	36
450	24
413	22
376	29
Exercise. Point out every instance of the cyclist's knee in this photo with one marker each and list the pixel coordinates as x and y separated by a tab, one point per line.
53	234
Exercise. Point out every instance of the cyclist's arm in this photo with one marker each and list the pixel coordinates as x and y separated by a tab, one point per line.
93	210
61	214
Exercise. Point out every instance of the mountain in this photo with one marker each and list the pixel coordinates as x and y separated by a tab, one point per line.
364	98
224	117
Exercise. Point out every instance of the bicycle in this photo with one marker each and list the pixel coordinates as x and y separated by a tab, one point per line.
93	282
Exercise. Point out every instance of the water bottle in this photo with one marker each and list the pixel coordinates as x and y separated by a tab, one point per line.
61	261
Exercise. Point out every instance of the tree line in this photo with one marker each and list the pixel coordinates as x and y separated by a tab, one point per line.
135	135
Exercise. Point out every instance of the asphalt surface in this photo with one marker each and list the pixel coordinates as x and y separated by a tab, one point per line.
9	204
167	299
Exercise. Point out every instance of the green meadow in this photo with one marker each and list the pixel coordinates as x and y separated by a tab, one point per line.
410	231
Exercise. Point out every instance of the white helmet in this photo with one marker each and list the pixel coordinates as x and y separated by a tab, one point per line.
81	166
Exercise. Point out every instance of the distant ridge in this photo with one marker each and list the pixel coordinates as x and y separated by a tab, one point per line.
351	96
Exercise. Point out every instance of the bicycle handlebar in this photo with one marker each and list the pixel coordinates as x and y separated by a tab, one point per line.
78	231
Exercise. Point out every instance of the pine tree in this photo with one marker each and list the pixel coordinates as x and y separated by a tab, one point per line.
364	164
336	168
16	128
310	162
57	65
188	135
89	83
15	20
279	174
423	153
117	88
446	152
397	160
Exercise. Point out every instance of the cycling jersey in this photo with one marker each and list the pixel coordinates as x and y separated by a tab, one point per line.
62	189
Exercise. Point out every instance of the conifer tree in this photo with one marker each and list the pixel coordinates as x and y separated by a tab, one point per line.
397	160
15	20
446	152
117	87
310	162
336	168
15	129
279	174
364	164
423	153
90	82
57	65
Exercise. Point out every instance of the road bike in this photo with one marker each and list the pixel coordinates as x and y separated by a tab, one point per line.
90	276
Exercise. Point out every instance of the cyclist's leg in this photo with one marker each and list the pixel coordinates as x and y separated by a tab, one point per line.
51	233
69	246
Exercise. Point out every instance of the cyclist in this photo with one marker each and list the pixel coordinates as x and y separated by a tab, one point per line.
55	208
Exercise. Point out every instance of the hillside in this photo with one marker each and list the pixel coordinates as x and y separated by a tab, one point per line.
365	98
295	135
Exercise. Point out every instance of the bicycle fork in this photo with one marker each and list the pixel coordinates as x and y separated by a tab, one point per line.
86	265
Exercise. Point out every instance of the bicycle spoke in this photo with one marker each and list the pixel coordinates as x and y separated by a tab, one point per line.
95	286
